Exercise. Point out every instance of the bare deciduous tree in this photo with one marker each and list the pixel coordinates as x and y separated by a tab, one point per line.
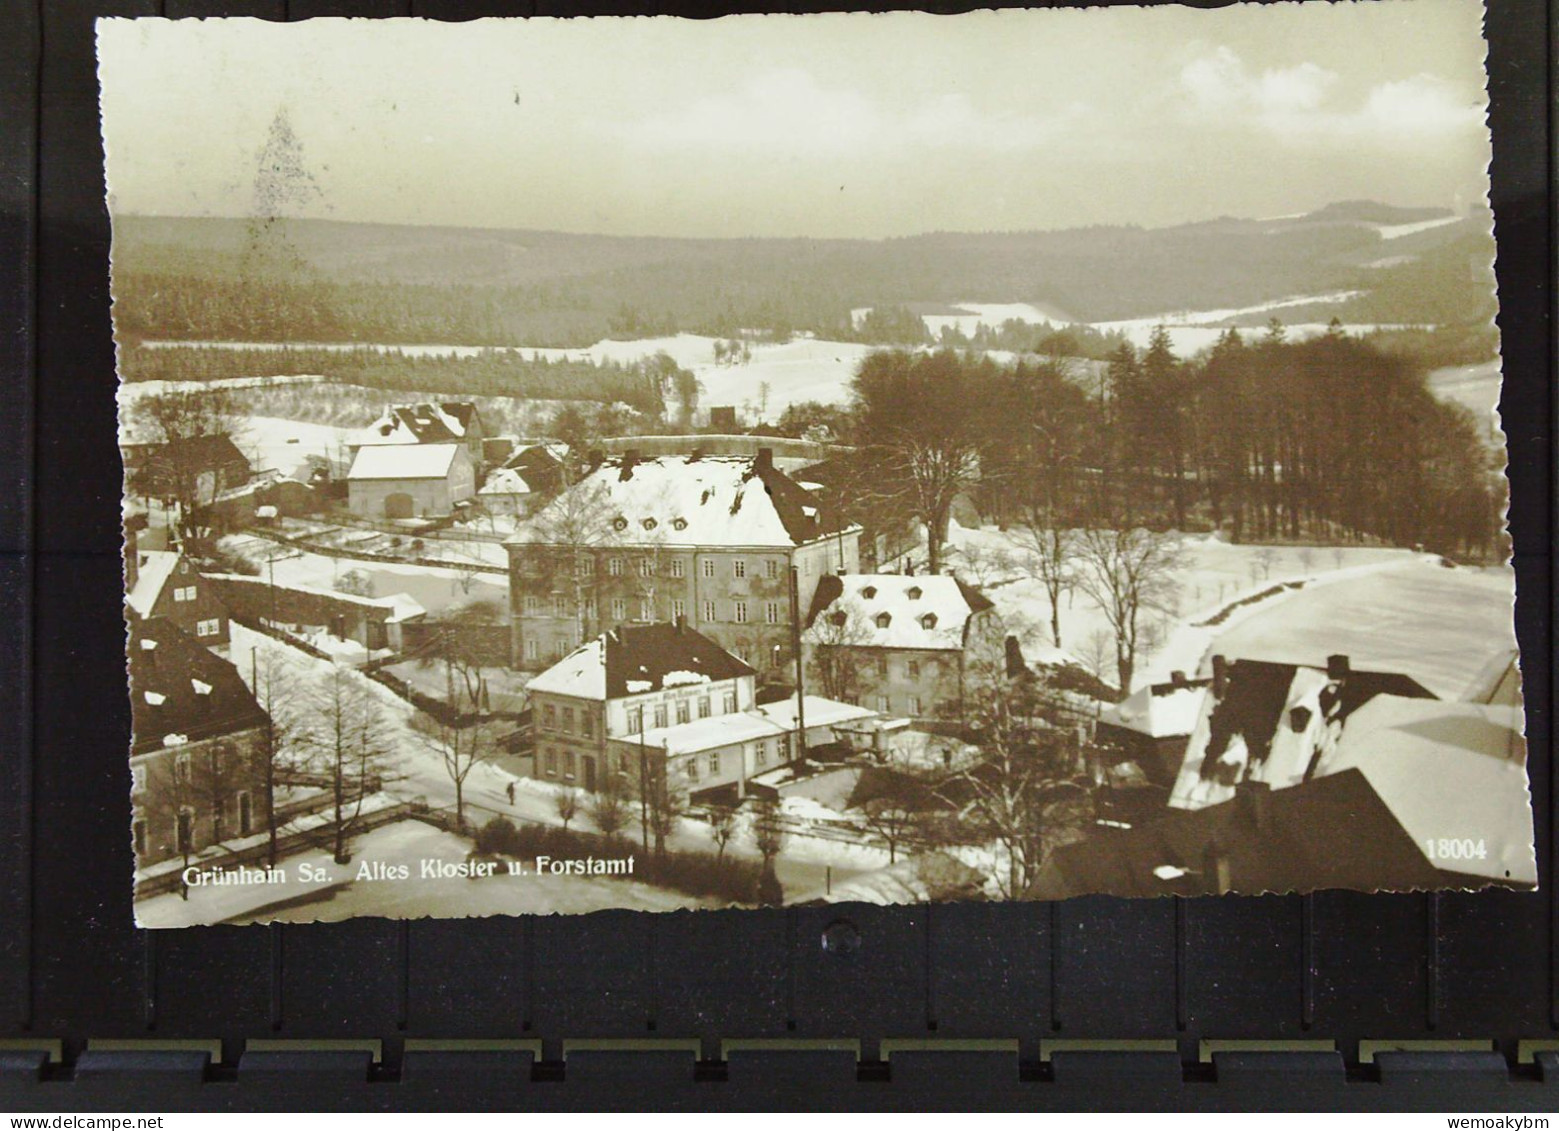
1049	553
459	749
565	802
351	743
1128	573
608	807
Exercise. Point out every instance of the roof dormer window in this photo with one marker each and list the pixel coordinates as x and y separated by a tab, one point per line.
650	524
619	523
928	621
913	592
679	524
837	618
869	592
884	620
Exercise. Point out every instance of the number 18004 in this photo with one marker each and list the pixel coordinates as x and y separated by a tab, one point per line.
1455	848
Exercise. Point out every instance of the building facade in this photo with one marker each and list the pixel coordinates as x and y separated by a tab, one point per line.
409	481
732	545
197	768
163	584
900	644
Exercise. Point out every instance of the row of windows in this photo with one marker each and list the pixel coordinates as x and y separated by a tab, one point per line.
913	705
778	749
184	825
185	593
675	567
741	612
559	759
560	648
552	719
660	713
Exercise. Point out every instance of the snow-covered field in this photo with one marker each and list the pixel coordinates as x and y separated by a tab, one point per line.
1475	386
1215	574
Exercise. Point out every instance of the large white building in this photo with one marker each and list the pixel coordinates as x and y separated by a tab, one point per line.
713	540
414	481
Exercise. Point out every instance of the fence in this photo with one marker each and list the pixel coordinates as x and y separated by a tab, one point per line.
314	547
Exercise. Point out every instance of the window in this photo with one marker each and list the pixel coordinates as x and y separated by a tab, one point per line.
739	568
549	716
635	720
678	567
882	667
181	768
184	593
568	764
552	762
646	609
913	705
703	707
771	612
784	747
739	612
678	609
730	703
590	607
208	628
559	605
587	724
928	621
568	720
763	754
619	609
532	605
771	569
530	649
868	591
679	524
140	836
646	567
682	711
912	668
709	610
245	813
615	567
709	567
913	592
649	524
585	566
884	704
660	714
883	619
559	648
137	779
714	763
692	768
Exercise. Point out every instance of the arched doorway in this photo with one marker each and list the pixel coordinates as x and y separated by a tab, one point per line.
398	505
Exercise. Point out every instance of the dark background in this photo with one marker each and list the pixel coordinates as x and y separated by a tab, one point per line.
1333	966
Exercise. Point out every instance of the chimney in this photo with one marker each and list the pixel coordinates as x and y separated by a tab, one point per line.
695	455
1337	667
630	458
1177	680
681	622
594	455
764	461
1220	677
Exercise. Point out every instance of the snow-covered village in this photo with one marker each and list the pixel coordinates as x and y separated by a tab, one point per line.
485	569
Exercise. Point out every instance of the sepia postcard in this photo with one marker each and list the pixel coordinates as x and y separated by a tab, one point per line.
775	460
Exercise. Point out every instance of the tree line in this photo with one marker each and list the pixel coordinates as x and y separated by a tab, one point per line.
1327	440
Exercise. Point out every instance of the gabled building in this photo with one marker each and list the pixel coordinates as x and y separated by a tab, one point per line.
902	644
421	481
163	585
425	422
540	465
197	469
669	693
197	750
1152	725
714	540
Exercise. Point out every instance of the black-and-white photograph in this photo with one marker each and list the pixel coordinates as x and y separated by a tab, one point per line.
781	460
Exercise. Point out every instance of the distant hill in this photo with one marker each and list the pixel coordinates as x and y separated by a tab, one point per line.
194	278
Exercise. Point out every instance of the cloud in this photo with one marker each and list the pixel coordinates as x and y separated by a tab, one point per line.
1218	88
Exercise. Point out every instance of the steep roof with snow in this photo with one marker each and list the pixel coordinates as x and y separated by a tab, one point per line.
695	501
422	423
154	567
1160	710
424	461
505	481
180	692
887	610
637	659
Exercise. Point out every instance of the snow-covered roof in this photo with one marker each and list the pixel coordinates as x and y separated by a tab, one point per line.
869	610
1439	767
687	501
819	712
505	481
424	461
637	659
1162	710
422	423
153	568
182	692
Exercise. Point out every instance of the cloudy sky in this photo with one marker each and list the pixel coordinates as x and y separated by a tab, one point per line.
839	125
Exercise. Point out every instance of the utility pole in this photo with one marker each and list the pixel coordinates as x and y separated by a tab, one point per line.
644	790
795	642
